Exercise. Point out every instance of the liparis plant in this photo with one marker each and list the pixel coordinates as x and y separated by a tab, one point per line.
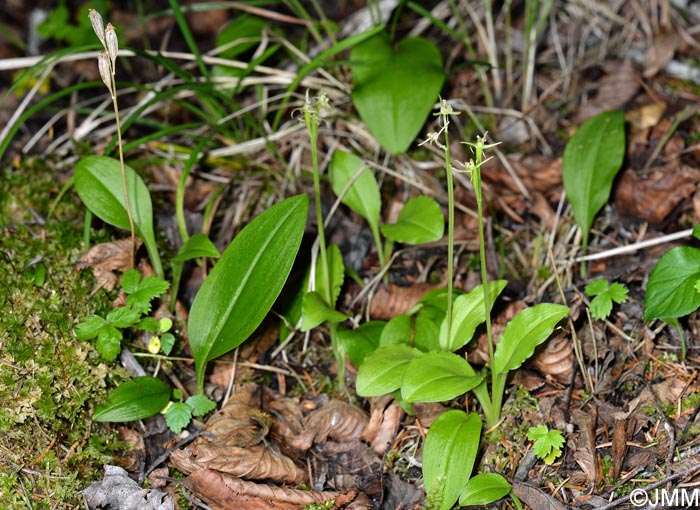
673	289
231	303
428	368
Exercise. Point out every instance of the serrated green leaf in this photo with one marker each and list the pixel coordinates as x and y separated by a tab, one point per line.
523	333
136	399
130	280
89	328
467	313
397	331
484	489
420	221
200	404
315	311
363	194
335	275
245	282
98	181
671	287
601	306
449	453
383	370
150	288
437	377
591	160
197	246
123	317
150	324
109	342
178	415
596	287
389	97
618	292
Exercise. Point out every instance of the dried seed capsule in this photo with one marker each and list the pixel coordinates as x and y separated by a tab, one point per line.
104	66
97	25
112	44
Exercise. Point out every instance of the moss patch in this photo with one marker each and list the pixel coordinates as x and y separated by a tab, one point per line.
49	381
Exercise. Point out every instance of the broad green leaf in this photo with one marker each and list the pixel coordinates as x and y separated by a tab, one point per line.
394	89
437	377
591	160
449	453
360	342
246	281
89	328
98	181
363	194
200	404
523	333
383	370
467	313
167	341
397	331
178	415
315	311
671	289
136	399
197	246
426	333
483	489
336	270
420	221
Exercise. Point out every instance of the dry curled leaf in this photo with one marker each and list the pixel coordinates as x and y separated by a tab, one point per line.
336	420
556	359
618	86
104	258
536	498
224	492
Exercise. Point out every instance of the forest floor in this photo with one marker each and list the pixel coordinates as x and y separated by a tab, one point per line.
289	431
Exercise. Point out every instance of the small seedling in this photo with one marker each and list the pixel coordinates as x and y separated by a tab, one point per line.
605	294
548	443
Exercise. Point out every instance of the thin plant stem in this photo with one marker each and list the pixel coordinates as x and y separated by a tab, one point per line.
450	228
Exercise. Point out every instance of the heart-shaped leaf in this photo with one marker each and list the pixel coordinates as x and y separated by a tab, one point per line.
315	311
671	290
437	377
136	399
360	342
448	455
591	160
395	89
196	246
397	331
98	181
420	221
523	333
362	195
483	489
246	281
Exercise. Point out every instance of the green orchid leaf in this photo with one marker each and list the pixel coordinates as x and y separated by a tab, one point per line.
98	181
671	291
420	221
426	333
243	285
467	313
360	342
196	246
136	399
448	455
362	195
383	370
523	333
336	275
397	331
394	89
484	489
437	377
591	160
315	311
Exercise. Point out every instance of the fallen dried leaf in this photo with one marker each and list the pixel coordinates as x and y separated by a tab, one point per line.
661	52
536	498
104	258
585	454
337	420
618	86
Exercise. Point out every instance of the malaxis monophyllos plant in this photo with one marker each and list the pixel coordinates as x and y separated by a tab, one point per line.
232	302
430	370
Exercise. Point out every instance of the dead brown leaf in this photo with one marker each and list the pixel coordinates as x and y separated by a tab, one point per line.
336	420
226	492
661	52
556	359
618	86
535	498
104	258
395	300
585	454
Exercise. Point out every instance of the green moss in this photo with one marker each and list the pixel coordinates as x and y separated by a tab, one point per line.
49	381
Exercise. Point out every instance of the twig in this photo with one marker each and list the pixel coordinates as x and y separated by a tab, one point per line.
631	248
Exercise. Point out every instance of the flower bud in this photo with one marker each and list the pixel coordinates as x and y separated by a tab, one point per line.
105	70
112	44
97	25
